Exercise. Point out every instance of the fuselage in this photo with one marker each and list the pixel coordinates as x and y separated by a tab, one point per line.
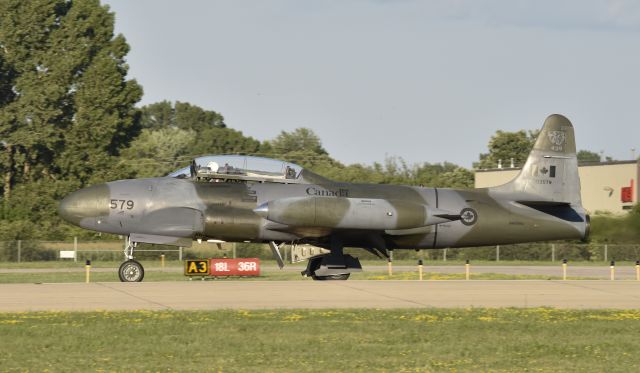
188	209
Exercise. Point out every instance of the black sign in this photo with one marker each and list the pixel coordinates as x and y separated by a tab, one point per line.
198	267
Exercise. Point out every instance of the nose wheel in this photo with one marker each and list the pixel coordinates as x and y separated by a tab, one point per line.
131	271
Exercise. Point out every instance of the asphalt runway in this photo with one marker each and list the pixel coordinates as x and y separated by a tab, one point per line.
208	295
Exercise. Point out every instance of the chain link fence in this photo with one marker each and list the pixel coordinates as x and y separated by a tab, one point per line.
80	251
32	250
542	252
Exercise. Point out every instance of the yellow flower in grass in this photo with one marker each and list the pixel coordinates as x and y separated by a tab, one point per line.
11	322
627	315
427	318
293	317
378	277
487	318
617	316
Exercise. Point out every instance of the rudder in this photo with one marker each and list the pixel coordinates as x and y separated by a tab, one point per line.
550	173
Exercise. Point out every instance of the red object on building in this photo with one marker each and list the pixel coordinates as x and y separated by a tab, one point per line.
626	193
234	267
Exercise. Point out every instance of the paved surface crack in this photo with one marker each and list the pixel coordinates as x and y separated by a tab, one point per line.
383	295
136	296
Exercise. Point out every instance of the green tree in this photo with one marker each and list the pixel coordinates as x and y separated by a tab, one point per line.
174	134
457	178
218	140
303	147
158	115
156	153
193	117
395	170
588	156
504	146
66	108
300	140
182	115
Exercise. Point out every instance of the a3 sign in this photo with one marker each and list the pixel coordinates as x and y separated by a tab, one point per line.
222	267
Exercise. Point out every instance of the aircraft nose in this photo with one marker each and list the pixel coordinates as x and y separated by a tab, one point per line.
84	204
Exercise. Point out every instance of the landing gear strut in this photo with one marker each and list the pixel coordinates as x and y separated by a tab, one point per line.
332	266
131	270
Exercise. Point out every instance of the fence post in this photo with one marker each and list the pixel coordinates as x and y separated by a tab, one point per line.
179	253
467	270
444	256
553	252
234	250
75	249
612	267
606	248
19	250
87	271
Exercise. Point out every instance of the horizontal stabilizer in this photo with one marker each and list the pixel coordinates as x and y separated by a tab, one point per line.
559	210
533	204
448	216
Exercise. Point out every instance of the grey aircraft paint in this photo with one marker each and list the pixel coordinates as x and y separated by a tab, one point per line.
241	204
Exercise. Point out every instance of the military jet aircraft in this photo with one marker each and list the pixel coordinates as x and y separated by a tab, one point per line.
251	199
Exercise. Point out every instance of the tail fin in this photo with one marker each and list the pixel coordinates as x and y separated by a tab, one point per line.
550	174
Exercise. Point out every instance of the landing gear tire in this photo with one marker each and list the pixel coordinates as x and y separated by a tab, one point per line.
131	271
343	276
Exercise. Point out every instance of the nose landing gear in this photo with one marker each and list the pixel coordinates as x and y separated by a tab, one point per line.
131	270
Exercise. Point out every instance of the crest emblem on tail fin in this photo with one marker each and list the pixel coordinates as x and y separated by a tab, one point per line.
557	137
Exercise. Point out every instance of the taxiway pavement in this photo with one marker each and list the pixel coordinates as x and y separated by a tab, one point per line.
205	295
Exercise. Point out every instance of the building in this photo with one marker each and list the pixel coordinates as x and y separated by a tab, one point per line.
607	187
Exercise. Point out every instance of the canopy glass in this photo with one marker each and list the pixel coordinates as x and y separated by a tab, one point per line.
238	165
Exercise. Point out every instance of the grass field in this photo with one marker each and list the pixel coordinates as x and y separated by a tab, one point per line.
426	340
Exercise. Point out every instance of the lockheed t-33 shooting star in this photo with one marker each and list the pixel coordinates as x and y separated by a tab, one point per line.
252	199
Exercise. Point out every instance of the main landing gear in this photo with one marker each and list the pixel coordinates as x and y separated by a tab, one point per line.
131	270
333	266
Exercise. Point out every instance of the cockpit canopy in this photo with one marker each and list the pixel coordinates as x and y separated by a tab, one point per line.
240	168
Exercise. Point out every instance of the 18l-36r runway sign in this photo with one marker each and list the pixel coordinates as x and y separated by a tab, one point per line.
222	267
234	267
